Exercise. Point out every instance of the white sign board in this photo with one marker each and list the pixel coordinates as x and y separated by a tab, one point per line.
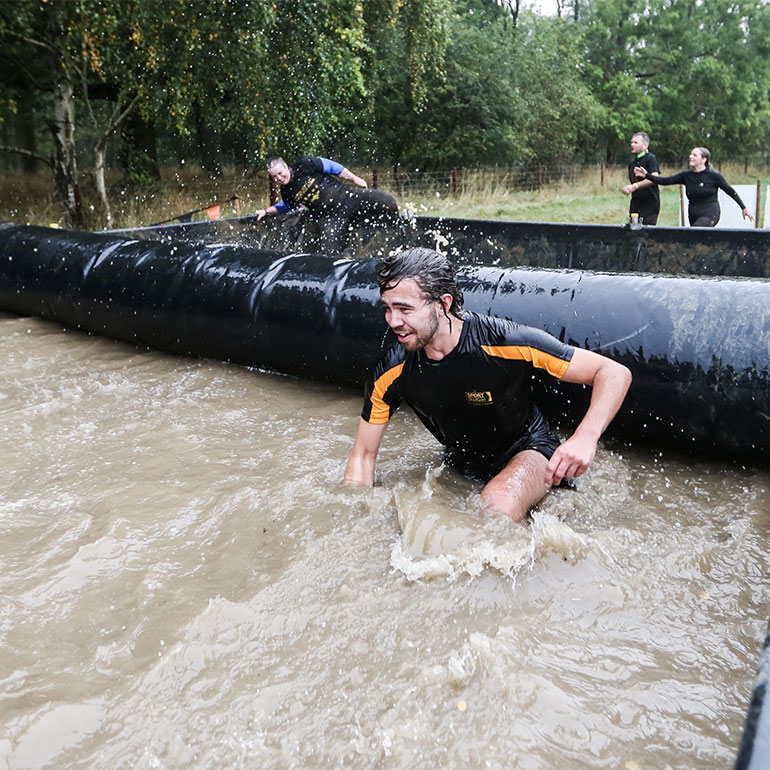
731	214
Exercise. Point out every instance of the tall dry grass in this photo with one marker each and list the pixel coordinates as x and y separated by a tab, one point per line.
567	194
32	199
581	195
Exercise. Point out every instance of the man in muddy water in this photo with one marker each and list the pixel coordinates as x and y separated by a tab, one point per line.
467	378
314	183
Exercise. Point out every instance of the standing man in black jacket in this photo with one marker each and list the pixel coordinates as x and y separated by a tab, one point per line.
645	198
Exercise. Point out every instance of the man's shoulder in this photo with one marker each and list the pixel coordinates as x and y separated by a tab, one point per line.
394	355
308	164
490	326
488	330
494	332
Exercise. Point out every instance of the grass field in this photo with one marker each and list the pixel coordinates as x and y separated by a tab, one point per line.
581	199
585	200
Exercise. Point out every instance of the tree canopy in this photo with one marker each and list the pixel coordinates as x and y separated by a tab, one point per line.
688	71
427	83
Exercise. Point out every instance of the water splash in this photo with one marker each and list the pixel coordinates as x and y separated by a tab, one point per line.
452	535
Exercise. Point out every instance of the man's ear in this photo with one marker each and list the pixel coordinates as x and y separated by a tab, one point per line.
446	301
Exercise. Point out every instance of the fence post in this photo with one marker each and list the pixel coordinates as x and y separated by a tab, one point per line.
375	179
454	181
539	177
602	175
759	206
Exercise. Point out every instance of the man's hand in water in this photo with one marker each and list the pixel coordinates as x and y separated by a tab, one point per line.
570	460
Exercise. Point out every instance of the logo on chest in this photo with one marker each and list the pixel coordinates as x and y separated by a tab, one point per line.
308	193
478	397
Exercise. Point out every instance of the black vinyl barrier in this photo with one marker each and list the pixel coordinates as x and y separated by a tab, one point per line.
699	348
610	248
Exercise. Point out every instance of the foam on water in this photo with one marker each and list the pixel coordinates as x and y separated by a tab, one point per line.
438	539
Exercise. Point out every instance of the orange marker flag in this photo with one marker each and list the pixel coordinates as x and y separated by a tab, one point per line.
213	212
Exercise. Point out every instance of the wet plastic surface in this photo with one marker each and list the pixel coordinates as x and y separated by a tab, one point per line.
698	347
611	248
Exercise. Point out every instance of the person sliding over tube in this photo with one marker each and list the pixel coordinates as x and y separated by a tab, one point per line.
337	208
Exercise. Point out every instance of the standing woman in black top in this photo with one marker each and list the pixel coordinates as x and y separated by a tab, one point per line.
702	185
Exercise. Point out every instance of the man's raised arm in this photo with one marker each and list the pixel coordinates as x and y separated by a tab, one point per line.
346	173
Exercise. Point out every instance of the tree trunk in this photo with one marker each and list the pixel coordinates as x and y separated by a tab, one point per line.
100	150
65	153
514	8
7	163
119	114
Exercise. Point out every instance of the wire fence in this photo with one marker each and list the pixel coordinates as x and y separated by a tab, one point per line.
459	181
194	194
242	193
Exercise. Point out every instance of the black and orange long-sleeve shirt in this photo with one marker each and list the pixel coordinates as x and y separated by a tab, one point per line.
475	399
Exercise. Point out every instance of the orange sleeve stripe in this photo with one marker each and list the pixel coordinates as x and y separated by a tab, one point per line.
555	366
380	413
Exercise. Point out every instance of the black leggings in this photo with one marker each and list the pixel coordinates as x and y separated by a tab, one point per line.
704	216
360	207
708	220
648	215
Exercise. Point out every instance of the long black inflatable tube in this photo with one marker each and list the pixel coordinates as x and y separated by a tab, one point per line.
612	248
698	347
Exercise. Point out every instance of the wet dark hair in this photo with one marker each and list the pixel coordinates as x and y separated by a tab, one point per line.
432	272
705	154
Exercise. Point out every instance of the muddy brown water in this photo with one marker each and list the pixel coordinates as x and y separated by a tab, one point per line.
184	584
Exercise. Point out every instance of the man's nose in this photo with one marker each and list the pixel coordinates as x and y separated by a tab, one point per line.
393	319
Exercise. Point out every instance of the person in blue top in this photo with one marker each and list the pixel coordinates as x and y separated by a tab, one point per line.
315	183
467	377
702	185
